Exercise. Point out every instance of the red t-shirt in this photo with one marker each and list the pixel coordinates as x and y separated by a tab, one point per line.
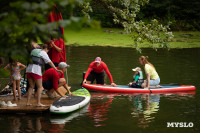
63	53
99	69
53	75
54	55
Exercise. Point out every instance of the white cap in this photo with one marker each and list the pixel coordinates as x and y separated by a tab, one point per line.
137	69
63	65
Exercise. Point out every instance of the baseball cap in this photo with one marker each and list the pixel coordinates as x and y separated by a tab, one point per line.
137	69
98	59
63	65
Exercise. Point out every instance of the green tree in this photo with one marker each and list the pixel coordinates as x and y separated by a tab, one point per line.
22	20
125	13
184	14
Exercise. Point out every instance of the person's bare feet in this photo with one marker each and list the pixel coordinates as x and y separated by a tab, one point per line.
28	104
158	86
41	105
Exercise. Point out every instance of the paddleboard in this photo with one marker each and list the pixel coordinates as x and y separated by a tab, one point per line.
62	105
126	89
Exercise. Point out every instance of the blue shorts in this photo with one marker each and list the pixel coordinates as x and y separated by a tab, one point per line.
154	82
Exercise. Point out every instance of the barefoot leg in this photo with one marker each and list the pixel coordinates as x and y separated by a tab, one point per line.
39	91
18	88
14	90
30	90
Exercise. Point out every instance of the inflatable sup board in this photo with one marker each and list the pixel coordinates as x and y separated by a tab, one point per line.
71	103
127	89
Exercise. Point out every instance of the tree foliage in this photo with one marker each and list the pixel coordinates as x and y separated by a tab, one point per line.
184	14
23	20
157	35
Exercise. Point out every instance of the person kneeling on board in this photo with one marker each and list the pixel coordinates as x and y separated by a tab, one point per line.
137	78
153	79
95	71
52	80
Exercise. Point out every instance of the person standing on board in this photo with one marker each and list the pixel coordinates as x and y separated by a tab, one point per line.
153	80
96	71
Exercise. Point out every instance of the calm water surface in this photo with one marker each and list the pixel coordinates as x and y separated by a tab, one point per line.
113	112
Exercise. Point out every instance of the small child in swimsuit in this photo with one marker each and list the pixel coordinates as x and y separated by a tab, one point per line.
137	78
15	76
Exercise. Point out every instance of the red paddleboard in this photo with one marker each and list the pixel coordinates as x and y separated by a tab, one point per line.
127	89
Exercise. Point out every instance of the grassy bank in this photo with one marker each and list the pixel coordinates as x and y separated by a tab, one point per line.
116	38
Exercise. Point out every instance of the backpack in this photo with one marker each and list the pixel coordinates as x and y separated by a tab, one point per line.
36	58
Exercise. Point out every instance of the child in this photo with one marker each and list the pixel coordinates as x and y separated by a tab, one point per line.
15	76
137	78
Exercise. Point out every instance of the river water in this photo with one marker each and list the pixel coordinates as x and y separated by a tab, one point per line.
114	112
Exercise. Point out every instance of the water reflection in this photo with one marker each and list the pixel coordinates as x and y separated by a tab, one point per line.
39	123
29	123
180	96
100	112
21	123
144	106
16	125
62	119
99	107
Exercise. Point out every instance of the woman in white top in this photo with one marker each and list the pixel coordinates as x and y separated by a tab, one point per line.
153	80
34	71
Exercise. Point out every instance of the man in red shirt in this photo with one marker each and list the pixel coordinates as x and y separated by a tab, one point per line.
95	71
55	52
52	80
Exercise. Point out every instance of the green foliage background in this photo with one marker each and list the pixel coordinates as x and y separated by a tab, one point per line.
183	14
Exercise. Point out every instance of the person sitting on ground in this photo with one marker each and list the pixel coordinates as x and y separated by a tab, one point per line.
52	80
15	75
96	71
137	78
34	71
153	80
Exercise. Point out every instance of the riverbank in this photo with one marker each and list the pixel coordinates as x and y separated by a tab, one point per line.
118	38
